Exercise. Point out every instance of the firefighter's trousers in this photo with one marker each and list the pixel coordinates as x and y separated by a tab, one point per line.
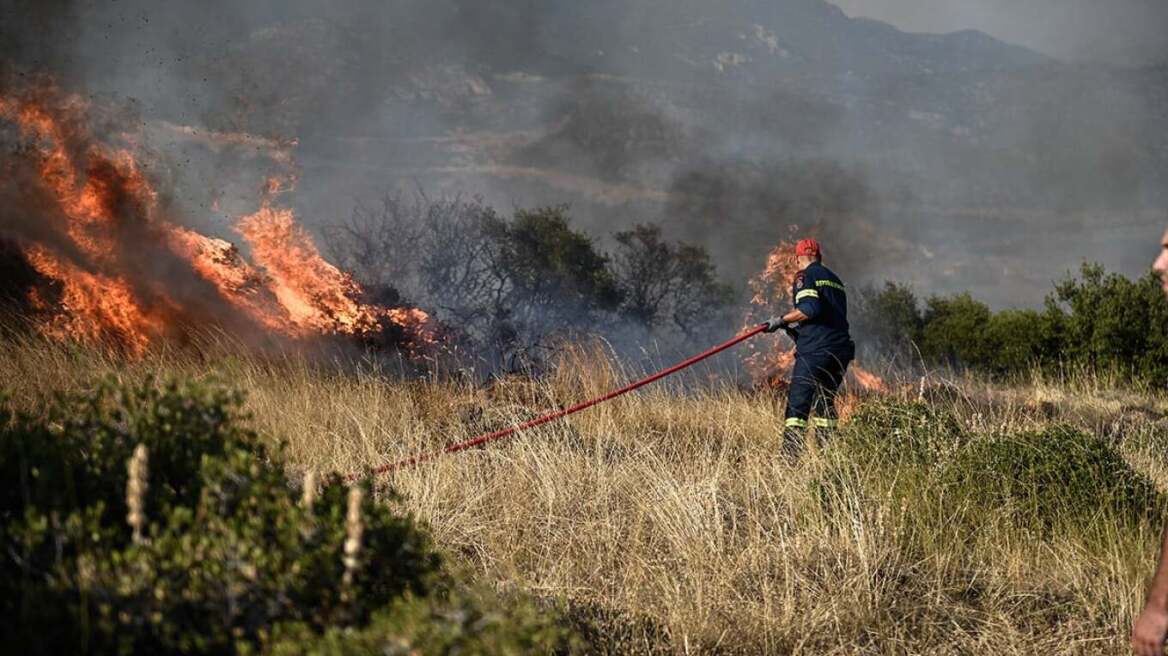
814	383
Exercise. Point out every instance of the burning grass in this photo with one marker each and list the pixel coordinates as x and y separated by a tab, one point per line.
666	522
119	270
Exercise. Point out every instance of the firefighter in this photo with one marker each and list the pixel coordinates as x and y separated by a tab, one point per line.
823	347
1151	627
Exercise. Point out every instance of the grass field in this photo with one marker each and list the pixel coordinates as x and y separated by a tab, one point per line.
943	519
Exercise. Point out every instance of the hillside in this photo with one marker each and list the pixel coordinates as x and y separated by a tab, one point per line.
617	107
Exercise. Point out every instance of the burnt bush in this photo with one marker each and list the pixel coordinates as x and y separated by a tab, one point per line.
666	284
508	287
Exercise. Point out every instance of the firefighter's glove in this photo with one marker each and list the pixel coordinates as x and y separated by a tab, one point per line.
775	325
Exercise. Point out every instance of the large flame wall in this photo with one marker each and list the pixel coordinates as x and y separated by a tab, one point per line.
122	273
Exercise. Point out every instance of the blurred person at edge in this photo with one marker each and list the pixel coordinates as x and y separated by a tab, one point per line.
823	347
1151	627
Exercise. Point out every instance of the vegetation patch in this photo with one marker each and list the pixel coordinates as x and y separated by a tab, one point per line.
147	519
1055	477
1097	321
888	432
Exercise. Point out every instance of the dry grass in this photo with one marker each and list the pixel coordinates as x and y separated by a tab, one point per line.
664	521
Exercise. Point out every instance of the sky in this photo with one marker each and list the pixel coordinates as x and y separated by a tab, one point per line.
1113	31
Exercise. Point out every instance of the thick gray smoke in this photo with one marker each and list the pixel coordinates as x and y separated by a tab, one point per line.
953	162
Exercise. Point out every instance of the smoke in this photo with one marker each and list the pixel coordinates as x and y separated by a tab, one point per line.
726	122
740	207
608	131
53	22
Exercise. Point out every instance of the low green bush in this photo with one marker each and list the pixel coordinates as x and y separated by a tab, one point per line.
885	432
887	449
1056	477
459	621
228	554
919	458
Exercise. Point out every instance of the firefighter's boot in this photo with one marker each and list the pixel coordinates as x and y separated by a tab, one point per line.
825	431
793	433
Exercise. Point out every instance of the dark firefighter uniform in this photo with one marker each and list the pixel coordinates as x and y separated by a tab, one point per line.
823	350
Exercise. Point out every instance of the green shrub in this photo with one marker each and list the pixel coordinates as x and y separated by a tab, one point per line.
887	449
547	263
954	331
1043	478
1108	321
886	432
1095	320
228	552
949	485
1053	478
1015	341
888	320
462	622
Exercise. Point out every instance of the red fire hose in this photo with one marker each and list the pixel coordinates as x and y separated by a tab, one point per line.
559	414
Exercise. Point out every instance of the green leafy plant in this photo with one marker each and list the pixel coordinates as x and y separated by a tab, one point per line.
1056	477
198	545
1097	321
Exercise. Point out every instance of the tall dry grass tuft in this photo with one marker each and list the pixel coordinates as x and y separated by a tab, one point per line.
136	485
308	489
354	529
666	522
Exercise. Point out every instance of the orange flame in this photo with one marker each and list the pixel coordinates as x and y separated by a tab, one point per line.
220	263
771	296
104	220
868	380
316	295
93	307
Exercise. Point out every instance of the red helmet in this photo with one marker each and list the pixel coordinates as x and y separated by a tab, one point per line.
807	248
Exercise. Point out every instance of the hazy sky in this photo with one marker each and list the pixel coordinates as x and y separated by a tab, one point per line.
1127	31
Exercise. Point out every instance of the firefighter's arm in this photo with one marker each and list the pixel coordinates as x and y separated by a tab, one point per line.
1151	627
795	316
806	303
